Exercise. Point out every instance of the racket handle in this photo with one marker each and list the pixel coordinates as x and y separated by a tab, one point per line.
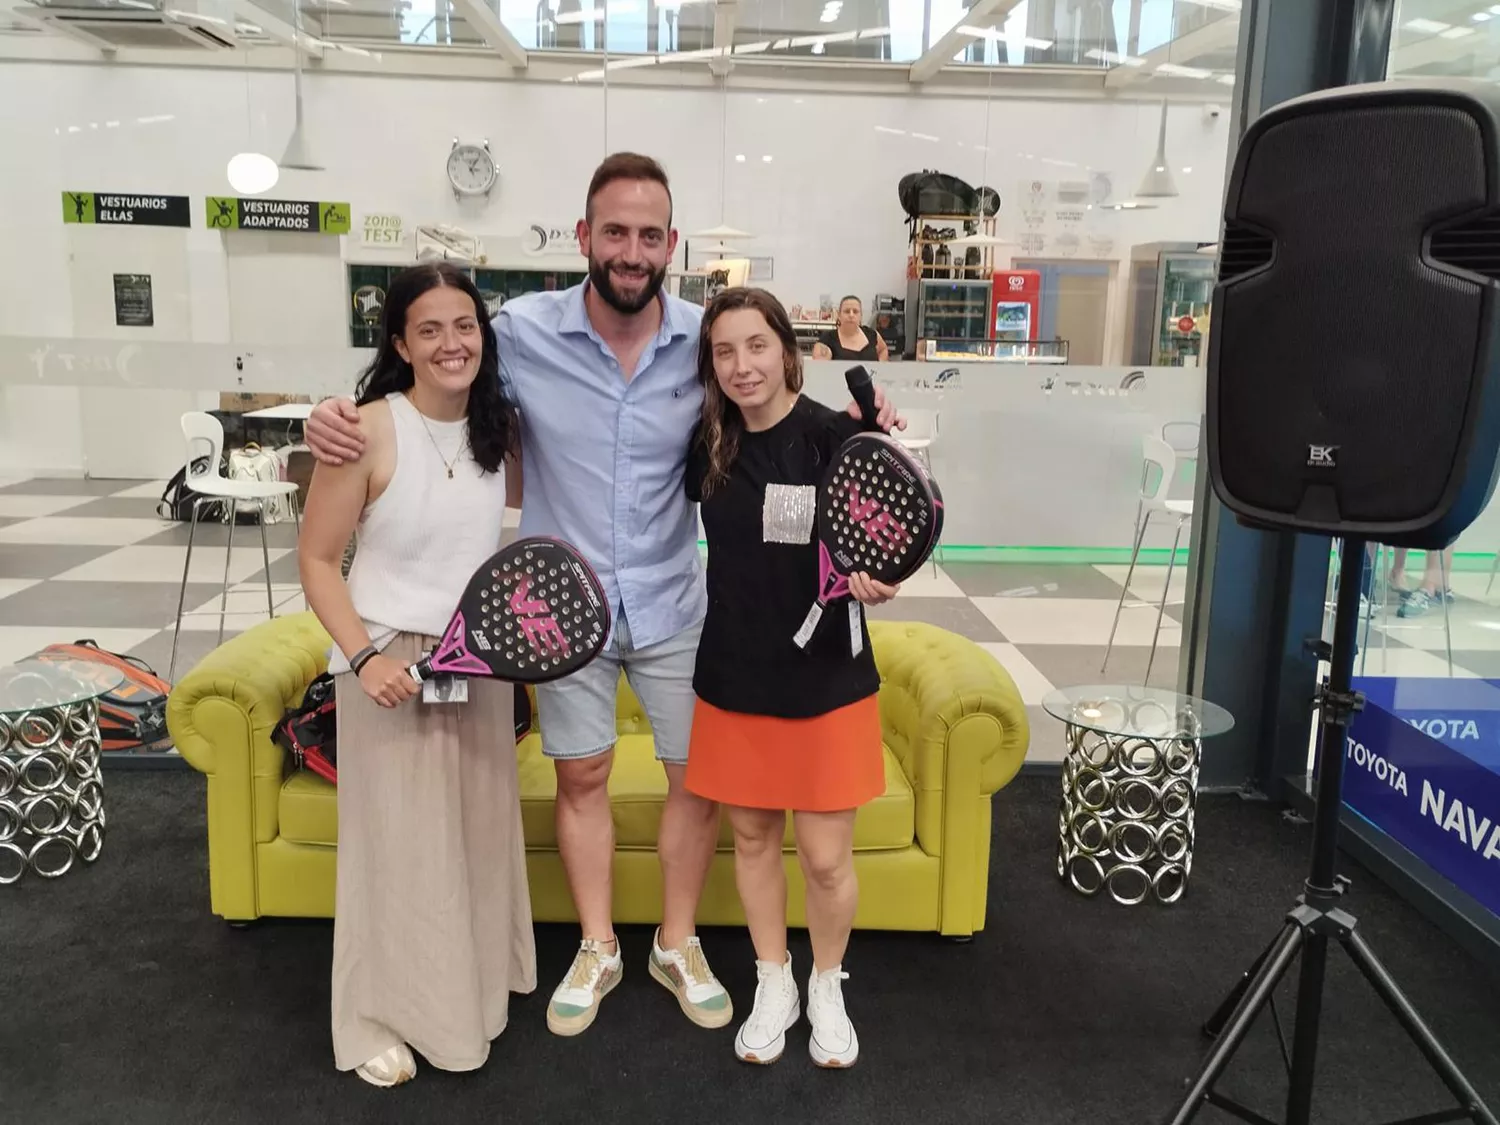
863	390
421	671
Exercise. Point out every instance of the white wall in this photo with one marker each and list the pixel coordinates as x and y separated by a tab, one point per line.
824	207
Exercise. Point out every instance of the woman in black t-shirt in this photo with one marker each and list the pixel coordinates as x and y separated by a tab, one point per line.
848	339
778	726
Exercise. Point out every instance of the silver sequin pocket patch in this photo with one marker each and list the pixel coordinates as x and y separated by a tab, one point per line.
789	513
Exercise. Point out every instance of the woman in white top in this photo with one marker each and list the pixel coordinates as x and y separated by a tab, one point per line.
433	921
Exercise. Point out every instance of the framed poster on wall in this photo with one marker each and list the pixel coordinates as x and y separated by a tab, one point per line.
133	305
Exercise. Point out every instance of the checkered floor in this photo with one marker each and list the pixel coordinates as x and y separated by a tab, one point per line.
90	558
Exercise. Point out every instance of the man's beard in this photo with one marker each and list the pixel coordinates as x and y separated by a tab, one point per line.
603	282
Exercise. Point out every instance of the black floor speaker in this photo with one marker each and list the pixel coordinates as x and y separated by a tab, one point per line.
1354	356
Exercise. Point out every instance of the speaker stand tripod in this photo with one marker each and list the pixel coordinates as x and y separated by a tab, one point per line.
1315	920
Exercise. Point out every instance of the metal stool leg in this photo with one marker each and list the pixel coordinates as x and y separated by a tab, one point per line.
265	554
1142	518
1447	624
182	593
228	554
1379	589
1161	610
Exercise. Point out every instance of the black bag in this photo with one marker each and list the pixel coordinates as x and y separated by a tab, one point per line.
177	498
309	731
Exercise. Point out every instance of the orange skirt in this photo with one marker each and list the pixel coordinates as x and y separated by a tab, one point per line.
827	763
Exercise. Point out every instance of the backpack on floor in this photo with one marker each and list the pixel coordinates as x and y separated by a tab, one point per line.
132	717
177	498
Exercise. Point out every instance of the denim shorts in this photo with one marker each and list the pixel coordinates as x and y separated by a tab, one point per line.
577	713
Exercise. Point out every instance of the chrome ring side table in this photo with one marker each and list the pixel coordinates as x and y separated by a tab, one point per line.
1127	821
51	791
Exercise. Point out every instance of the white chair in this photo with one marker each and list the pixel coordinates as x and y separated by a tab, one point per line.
1183	438
1160	456
205	438
921	431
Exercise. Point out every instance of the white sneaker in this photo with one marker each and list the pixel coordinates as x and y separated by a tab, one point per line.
833	1042
762	1037
592	975
389	1068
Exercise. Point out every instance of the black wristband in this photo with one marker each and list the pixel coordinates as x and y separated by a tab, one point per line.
362	657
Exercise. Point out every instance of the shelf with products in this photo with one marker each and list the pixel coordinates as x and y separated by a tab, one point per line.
931	257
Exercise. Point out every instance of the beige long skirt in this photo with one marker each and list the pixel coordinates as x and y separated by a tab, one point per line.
433	926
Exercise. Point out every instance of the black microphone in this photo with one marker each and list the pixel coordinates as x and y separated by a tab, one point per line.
863	391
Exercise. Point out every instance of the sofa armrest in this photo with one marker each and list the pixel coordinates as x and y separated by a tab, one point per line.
259	673
220	716
954	718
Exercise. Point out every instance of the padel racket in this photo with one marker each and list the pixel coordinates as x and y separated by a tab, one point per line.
535	611
878	511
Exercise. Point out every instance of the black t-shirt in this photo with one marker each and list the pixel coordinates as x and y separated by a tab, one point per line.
763	577
830	339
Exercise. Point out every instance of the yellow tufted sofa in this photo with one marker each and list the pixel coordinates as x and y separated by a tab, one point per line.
955	733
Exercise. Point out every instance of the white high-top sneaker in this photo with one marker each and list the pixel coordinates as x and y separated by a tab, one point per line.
833	1041
762	1037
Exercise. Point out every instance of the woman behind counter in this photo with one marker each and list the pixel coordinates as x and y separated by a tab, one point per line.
849	340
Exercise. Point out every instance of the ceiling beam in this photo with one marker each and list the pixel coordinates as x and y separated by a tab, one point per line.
1181	51
483	19
278	29
23	12
940	54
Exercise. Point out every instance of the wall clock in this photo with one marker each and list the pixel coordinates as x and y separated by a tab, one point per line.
471	169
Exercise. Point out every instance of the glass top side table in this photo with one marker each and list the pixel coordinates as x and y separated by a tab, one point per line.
1127	821
51	790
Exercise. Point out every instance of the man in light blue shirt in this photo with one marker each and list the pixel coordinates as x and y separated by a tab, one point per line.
606	379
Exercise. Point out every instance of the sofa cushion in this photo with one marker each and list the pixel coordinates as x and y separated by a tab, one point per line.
309	809
637	788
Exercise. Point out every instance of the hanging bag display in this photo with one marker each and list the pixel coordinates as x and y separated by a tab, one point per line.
254	463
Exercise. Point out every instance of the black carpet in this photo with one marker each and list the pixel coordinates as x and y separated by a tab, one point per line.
123	1000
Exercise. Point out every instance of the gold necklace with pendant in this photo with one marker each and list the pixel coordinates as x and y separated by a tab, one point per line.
447	464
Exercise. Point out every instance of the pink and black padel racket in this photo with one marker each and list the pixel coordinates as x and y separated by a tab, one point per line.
879	511
535	611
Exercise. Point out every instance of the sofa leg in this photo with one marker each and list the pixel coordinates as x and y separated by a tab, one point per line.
959	939
241	924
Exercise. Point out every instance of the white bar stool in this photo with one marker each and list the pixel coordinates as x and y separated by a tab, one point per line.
204	430
1157	454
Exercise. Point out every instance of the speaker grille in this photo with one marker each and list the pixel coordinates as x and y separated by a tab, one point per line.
1343	370
1243	250
1473	245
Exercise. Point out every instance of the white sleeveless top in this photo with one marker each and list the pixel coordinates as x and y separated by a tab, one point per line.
419	542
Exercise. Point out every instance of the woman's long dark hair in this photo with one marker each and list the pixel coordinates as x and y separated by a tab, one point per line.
492	422
723	423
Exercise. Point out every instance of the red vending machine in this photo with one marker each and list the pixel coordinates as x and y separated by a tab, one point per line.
1016	311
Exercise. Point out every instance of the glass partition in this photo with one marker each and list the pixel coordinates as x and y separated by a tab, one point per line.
1423	758
981	181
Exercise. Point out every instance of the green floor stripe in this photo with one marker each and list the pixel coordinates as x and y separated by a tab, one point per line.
1463	562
